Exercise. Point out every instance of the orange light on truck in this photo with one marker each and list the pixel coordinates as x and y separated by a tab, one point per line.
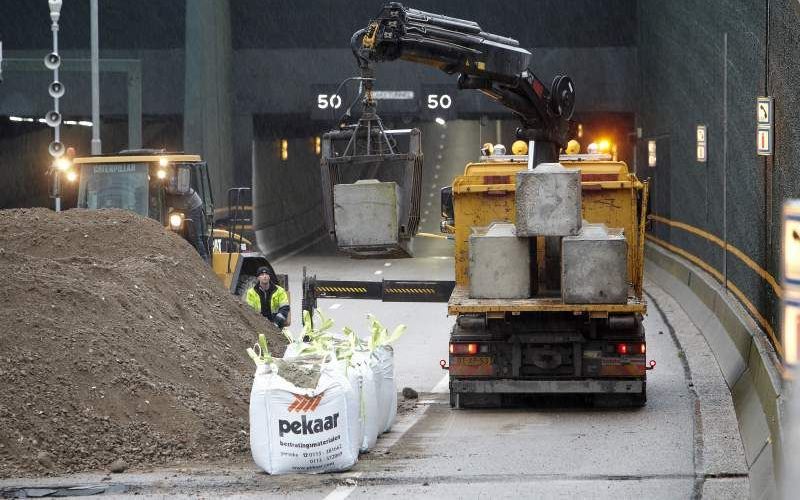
631	349
465	349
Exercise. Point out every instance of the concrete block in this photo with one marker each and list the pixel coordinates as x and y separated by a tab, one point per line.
734	328
366	213
705	290
752	421
594	266
548	200
730	361
499	263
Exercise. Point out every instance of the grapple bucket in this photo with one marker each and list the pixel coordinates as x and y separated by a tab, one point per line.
371	183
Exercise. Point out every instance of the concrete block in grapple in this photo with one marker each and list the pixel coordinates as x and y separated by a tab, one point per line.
366	213
548	200
499	263
594	266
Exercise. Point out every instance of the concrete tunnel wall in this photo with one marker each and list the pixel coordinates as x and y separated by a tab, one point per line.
705	63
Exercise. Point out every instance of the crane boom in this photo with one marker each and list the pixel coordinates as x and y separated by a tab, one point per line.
494	64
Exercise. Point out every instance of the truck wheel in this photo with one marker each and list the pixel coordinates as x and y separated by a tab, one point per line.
640	399
473	400
454	399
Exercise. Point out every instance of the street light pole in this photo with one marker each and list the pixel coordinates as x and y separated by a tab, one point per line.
96	144
53	118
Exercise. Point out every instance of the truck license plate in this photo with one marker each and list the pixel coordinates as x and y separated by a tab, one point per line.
475	366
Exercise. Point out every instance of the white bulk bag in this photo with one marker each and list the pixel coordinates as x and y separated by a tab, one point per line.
371	425
304	430
383	368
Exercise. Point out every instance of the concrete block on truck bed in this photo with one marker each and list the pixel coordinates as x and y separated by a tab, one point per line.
548	201
594	266
499	263
366	213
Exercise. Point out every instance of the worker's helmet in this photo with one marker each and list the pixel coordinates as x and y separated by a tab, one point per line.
573	147
486	149
262	270
519	148
498	150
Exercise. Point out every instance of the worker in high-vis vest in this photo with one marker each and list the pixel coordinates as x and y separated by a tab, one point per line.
269	299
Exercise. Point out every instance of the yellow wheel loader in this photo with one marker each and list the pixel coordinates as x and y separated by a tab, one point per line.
174	189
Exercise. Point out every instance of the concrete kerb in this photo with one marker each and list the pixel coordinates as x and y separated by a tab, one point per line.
746	358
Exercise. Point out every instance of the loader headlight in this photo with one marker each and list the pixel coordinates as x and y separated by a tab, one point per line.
161	174
175	221
63	164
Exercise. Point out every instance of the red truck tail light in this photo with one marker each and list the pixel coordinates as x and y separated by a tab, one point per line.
631	349
467	348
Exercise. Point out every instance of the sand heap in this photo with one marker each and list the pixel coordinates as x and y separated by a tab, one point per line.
116	342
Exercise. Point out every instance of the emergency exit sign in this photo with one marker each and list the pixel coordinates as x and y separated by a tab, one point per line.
702	143
765	133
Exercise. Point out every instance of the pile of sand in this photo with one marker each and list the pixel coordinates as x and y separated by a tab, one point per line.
116	342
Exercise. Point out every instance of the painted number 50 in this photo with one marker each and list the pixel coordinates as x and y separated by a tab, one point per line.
439	101
325	101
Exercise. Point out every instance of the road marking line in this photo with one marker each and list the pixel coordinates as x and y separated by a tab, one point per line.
385	442
379	272
387	264
335	306
399	429
342	492
443	386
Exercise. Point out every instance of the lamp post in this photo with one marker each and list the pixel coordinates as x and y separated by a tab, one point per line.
53	118
95	50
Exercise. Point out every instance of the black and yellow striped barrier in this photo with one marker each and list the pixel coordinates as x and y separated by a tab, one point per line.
387	290
411	290
339	289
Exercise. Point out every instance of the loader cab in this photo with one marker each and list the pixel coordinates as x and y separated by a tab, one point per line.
141	181
149	182
165	187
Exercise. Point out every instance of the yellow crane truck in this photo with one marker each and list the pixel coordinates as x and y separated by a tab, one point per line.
539	343
542	345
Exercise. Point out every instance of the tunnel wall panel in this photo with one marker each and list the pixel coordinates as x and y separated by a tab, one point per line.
705	63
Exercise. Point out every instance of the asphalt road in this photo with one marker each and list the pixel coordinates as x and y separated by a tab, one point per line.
551	450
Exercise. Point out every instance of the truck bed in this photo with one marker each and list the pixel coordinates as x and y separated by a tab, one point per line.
460	302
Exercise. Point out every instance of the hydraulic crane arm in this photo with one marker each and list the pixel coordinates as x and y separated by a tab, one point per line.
493	64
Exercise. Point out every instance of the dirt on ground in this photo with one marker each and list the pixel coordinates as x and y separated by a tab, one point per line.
117	344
